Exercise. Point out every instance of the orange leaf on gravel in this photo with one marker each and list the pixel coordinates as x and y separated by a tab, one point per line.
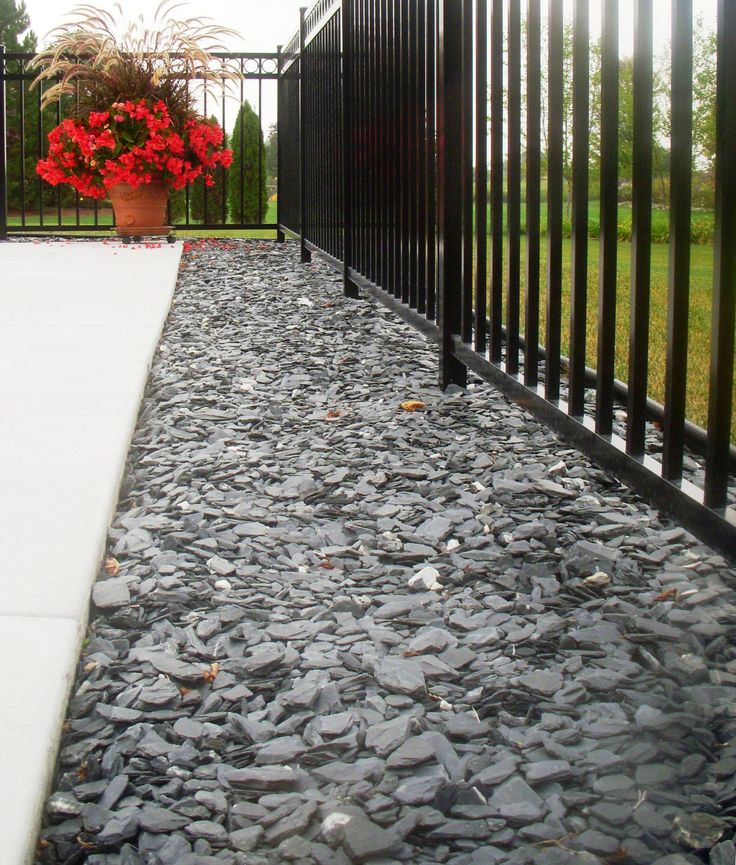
112	566
671	594
211	674
412	405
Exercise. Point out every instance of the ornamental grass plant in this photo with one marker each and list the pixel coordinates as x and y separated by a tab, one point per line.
130	117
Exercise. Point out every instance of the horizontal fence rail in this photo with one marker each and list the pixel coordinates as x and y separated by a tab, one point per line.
38	207
466	162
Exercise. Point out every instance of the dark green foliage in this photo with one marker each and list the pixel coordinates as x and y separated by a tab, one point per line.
251	202
16	35
272	155
14	22
177	205
210	209
704	92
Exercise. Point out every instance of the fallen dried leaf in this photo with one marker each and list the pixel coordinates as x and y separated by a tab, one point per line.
184	691
598	579
412	405
211	674
328	565
81	772
671	594
621	854
332	413
112	566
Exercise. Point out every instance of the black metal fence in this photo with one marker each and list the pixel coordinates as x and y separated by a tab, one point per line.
435	136
24	127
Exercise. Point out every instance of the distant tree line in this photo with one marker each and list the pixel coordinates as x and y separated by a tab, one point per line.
704	117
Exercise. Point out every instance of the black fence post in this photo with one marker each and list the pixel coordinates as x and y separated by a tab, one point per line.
678	289
279	85
579	239
641	230
449	188
349	287
724	271
305	254
3	153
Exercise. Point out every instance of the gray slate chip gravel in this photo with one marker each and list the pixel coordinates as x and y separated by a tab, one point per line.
261	685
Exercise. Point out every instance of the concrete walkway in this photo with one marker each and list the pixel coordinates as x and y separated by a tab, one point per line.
79	323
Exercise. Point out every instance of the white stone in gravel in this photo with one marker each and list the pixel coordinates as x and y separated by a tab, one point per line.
63	805
427	578
333	826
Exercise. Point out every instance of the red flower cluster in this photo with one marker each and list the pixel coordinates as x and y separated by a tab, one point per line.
132	143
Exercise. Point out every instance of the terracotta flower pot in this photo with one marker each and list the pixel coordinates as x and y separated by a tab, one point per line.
141	210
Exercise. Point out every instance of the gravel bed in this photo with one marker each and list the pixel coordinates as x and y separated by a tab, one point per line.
333	630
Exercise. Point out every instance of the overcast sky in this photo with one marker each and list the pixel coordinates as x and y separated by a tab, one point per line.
262	25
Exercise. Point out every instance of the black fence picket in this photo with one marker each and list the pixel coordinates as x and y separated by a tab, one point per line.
410	108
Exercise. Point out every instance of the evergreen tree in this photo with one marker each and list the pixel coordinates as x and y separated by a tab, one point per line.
16	35
272	155
250	202
208	208
177	204
14	22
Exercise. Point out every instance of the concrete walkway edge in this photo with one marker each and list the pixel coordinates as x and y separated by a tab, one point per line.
79	325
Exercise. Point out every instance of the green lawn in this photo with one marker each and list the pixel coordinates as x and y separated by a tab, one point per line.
701	231
701	275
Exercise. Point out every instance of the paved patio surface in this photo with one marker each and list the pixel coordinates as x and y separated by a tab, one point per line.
79	323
